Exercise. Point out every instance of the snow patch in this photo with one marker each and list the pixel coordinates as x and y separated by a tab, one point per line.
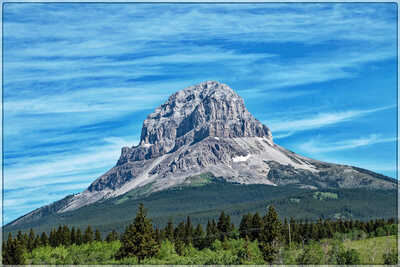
217	138
146	145
241	158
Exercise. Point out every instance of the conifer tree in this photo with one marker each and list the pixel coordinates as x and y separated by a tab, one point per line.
97	235
65	236
314	231
112	236
44	240
157	235
198	237
224	226
73	236
256	226
79	237
88	236
8	251
52	238
188	231
245	226
20	237
169	231
209	239
19	250
31	240
37	242
179	233
4	252
138	239
270	235
59	236
25	241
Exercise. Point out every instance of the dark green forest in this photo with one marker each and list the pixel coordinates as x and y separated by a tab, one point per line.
259	238
206	201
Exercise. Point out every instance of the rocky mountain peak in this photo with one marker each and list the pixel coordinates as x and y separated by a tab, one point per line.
206	129
208	109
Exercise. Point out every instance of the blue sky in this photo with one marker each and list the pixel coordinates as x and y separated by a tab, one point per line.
79	79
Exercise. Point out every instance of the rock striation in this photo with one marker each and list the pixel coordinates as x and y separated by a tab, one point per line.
206	128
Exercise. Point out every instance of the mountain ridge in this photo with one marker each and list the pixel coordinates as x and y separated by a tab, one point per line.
207	128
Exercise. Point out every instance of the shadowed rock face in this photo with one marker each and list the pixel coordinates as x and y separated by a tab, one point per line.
206	128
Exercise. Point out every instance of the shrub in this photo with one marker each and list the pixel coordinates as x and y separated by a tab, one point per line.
391	257
312	254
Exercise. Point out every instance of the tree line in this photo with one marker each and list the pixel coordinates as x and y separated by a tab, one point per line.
142	240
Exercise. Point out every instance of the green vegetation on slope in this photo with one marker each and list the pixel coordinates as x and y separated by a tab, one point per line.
205	202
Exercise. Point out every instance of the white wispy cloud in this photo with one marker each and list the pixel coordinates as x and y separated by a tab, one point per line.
319	120
69	167
314	146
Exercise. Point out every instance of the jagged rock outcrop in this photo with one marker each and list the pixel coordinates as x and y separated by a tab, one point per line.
206	128
210	109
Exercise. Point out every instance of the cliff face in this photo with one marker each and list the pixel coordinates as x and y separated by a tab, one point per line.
210	109
206	128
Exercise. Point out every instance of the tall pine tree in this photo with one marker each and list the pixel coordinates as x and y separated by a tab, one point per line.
169	231
270	235
97	235
88	236
138	239
245	225
198	237
112	236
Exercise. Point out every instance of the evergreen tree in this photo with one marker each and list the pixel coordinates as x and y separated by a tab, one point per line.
188	236
4	252
59	236
179	233
223	226
138	239
21	239
79	237
157	235
208	240
97	235
44	240
285	231
73	236
31	240
37	242
24	243
88	236
198	237
112	236
8	251
245	226
19	253
256	226
65	236
169	231
314	231
270	235
52	238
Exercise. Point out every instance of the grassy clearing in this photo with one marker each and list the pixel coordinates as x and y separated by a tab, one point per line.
372	249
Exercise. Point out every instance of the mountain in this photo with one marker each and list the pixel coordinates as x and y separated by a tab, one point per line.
200	134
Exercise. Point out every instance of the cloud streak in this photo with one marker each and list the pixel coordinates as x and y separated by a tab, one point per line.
314	146
320	120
